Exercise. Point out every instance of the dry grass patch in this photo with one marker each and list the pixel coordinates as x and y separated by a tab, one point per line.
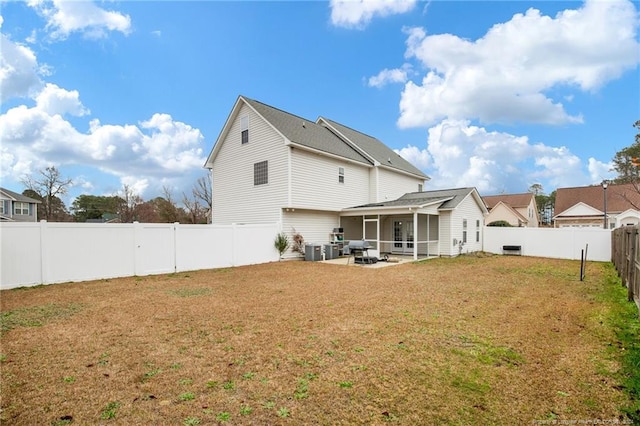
495	340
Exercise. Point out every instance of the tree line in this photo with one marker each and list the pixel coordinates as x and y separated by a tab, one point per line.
48	186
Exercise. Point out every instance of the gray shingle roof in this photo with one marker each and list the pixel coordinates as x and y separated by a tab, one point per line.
450	199
306	132
18	197
374	148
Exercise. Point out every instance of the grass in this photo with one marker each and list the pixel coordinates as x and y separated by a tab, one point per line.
623	319
492	340
36	316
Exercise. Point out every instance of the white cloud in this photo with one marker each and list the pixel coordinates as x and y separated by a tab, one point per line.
65	17
599	171
152	151
358	13
416	156
136	184
54	100
18	69
459	155
386	76
505	76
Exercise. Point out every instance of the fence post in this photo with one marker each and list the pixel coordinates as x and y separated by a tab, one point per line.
176	225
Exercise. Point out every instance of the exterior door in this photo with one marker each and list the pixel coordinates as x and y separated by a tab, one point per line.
403	236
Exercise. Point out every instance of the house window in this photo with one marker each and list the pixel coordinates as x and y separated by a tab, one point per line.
464	230
419	187
261	173
244	129
2	210
477	231
21	208
341	174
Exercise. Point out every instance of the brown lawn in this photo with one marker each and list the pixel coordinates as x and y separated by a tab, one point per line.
471	340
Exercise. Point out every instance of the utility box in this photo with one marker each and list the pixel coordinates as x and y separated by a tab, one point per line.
313	252
331	251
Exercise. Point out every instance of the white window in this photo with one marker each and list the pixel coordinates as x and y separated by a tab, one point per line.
419	187
464	230
244	129
2	210
261	173
341	174
20	208
477	231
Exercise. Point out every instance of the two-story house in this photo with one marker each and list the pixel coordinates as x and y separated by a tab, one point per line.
268	165
516	209
17	207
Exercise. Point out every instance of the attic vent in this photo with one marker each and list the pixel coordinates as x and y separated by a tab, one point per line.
389	160
304	125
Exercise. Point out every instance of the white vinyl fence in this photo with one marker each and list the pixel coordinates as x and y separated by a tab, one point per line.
562	243
46	253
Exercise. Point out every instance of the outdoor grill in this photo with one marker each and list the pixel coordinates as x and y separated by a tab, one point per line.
359	249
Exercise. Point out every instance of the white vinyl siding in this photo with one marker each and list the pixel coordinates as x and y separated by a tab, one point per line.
314	184
392	185
314	226
467	209
446	237
235	197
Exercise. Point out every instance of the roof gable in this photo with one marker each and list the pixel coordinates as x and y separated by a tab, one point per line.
506	207
379	153
580	209
294	129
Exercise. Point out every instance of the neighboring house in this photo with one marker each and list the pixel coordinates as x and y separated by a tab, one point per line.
584	206
17	207
268	165
517	209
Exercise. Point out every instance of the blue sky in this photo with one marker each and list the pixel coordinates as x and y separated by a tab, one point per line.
497	95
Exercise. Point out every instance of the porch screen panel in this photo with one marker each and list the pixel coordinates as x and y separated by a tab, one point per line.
371	232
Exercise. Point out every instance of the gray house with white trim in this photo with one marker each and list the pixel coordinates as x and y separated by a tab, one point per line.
17	207
268	165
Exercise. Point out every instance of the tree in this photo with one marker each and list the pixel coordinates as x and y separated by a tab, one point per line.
194	211
49	185
87	207
128	209
202	192
166	207
545	203
626	162
536	189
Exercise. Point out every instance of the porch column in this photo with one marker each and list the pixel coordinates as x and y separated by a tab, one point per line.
378	235
415	235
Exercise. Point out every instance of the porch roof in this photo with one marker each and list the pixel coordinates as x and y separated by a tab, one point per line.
445	199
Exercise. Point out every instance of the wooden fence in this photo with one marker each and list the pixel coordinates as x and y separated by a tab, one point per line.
625	254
